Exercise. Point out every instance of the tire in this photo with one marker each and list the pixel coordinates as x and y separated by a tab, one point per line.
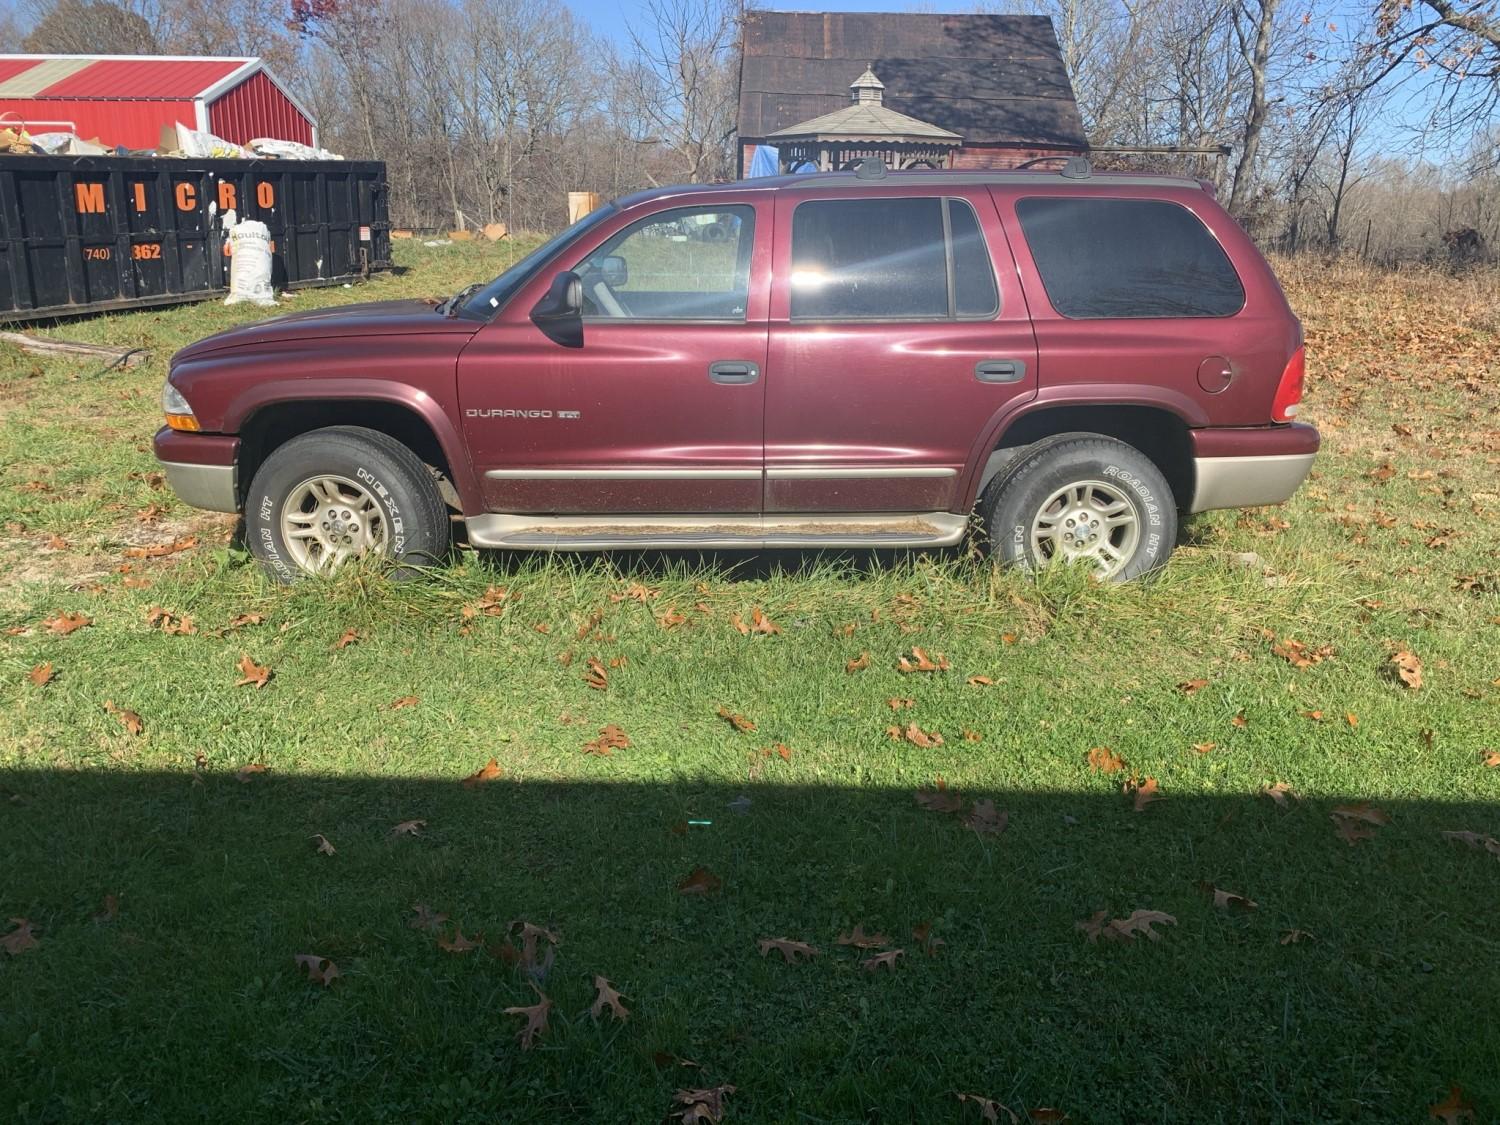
1124	511
390	500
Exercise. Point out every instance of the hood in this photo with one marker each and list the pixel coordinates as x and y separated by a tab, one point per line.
374	318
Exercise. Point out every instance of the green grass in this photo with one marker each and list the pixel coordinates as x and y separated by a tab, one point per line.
188	1004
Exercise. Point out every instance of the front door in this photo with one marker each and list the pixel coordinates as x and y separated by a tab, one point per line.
894	340
662	408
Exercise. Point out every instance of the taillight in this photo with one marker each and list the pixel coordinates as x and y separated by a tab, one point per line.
1289	390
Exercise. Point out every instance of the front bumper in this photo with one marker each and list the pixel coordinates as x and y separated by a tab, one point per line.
1247	467
201	468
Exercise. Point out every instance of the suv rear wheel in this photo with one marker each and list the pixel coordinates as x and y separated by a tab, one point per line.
334	494
1082	498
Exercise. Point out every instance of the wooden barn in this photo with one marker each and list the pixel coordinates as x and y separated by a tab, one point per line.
822	90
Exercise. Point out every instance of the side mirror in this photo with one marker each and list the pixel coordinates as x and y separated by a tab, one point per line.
614	271
559	314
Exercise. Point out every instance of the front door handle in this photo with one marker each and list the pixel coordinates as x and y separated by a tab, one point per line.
734	371
1000	370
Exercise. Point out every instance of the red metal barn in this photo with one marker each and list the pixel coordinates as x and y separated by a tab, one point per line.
126	99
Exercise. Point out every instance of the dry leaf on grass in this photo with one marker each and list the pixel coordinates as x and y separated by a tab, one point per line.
1296	937
405	701
41	675
941	800
922	934
918	737
980	681
990	1109
161	550
738	722
1104	760
320	970
1406	666
1279	792
20	939
252	673
535	1016
703	1107
636	592
671	619
460	944
1204	747
900	704
919	661
174	624
1475	840
861	940
323	846
1192	687
882	960
65	623
129	719
1142	793
490	771
347	638
1352	822
1298	654
609	998
1492	758
527	958
1224	900
595	675
247	773
700	881
1138	924
986	819
409	828
791	951
858	665
1454	1109
611	738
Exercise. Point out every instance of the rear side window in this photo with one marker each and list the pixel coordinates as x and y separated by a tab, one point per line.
889	259
1106	258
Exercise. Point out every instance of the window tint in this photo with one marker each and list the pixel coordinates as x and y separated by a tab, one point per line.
1104	258
884	259
692	263
973	276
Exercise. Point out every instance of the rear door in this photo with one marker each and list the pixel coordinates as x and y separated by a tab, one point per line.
661	409
894	339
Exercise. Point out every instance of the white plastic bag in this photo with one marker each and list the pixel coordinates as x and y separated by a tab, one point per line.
190	142
250	264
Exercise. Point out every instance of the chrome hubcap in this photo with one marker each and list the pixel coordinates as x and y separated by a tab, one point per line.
1089	521
328	519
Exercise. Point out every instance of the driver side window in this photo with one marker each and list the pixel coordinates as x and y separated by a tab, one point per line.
692	263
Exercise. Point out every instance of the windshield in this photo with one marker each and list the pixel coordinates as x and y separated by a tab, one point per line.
488	299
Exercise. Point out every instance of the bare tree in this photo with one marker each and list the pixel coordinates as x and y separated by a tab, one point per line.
92	27
1255	31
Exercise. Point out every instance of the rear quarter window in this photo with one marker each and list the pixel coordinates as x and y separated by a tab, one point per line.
1128	258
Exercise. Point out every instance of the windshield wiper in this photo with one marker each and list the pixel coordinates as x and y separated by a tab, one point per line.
450	306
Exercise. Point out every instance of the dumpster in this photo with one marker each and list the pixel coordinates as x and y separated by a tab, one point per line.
93	233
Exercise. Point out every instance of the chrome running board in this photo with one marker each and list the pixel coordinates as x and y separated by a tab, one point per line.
494	530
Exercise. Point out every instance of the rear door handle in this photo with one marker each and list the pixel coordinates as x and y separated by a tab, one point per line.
734	371
1000	370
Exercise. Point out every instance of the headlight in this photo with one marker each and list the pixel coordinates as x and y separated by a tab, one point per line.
175	407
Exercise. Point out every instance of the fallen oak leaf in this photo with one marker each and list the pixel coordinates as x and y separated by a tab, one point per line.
404	701
1492	759
980	681
1192	687
252	673
490	771
638	592
323	846
20	939
861	940
131	721
1204	747
1296	937
790	950
1223	900
531	934
887	960
1453	1109
738	722
460	944
65	623
989	1108
596	675
409	828
161	550
1363	811
1104	760
700	881
1406	666
41	675
1140	922
535	1016
247	773
921	662
609	998
899	704
1279	792
706	1105
857	665
1143	793
985	819
590	624
1475	840
346	638
918	737
941	799
320	970
671	619
760	623
610	738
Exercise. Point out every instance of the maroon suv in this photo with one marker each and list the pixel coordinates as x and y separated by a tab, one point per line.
853	359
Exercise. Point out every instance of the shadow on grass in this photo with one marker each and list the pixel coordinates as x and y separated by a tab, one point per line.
188	1004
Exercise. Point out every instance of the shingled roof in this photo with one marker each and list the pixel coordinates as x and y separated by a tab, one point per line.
990	79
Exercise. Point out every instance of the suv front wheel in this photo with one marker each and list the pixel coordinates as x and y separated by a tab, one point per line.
1082	498
339	493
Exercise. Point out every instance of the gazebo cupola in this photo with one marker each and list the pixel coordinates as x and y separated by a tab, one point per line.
866	127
